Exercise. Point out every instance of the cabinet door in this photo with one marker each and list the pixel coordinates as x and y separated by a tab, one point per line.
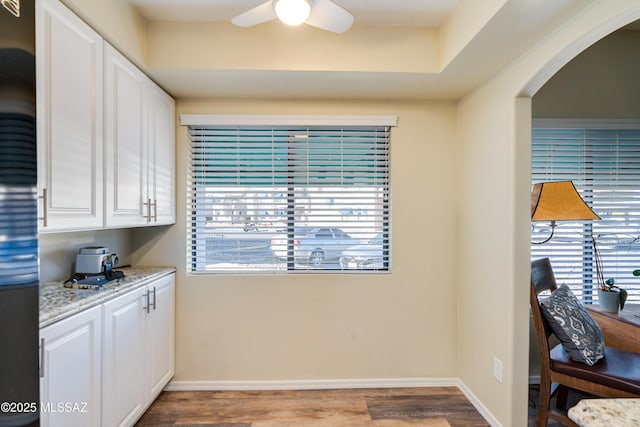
161	155
161	334
124	169
123	364
69	126
70	371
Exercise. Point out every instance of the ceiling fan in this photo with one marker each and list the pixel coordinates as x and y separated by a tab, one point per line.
324	14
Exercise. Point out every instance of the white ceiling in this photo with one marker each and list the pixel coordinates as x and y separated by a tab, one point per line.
425	13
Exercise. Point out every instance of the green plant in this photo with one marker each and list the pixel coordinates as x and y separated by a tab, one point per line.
610	286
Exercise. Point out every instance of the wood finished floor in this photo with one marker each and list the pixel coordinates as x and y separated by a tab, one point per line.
398	407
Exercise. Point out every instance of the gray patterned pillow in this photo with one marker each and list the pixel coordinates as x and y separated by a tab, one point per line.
578	333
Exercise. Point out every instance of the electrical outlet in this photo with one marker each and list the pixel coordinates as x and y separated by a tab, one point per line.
497	369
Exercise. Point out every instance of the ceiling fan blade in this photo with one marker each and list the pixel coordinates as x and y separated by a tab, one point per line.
255	16
329	16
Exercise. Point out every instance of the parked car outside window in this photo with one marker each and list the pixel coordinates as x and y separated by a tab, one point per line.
367	256
315	246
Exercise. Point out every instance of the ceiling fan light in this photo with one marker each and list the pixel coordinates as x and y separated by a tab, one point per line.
292	12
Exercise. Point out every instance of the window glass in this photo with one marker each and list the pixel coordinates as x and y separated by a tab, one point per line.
289	198
604	165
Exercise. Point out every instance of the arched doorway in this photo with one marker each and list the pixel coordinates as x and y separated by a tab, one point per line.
594	95
494	185
555	70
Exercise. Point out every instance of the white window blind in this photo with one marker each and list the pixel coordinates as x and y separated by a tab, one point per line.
283	198
604	164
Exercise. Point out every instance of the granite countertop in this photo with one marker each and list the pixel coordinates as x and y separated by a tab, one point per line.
58	302
606	413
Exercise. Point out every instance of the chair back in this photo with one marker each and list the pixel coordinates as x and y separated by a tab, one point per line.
542	279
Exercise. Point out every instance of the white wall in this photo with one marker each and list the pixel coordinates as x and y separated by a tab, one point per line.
330	326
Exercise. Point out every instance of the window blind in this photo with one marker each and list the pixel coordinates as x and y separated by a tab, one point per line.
284	198
604	164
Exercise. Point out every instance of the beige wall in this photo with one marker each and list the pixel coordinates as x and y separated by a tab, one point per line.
490	306
493	230
330	326
602	82
118	22
464	24
205	46
58	250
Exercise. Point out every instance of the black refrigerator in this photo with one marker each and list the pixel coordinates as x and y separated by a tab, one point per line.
19	361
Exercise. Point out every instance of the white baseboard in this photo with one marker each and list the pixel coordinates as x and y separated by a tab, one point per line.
486	414
311	384
335	384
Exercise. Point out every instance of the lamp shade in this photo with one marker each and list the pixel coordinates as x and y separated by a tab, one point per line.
559	201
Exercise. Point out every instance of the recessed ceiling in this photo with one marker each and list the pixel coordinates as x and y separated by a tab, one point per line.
423	13
396	49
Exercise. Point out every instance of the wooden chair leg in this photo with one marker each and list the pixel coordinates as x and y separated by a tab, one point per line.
543	404
561	397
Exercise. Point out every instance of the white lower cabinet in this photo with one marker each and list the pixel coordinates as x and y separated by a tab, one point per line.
123	364
138	350
70	371
104	366
160	335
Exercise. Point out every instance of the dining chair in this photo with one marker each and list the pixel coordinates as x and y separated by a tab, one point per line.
615	375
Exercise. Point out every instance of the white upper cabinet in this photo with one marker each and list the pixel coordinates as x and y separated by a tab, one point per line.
125	163
69	71
160	156
106	132
139	147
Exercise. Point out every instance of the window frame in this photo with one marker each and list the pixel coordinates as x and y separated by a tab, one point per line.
310	121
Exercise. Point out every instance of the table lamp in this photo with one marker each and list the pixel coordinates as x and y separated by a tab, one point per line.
558	201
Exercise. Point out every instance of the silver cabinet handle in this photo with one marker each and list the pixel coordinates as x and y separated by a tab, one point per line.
155	210
41	357
148	205
45	216
146	308
154	298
